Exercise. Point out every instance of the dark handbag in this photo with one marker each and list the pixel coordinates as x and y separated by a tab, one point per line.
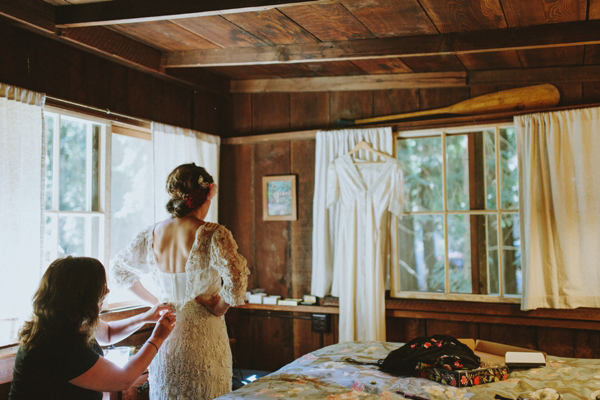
437	351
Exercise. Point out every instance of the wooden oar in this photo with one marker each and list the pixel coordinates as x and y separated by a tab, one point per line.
525	98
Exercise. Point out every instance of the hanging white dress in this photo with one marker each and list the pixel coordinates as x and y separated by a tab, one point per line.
367	194
195	361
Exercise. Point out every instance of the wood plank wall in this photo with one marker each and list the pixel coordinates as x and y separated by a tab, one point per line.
279	253
47	65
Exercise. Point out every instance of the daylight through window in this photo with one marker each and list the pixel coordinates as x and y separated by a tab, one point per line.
460	235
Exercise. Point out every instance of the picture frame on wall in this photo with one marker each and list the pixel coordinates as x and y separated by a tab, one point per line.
279	198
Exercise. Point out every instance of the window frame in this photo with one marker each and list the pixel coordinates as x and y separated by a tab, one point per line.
108	128
395	284
103	178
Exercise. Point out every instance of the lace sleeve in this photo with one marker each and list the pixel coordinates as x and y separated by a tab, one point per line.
131	262
230	265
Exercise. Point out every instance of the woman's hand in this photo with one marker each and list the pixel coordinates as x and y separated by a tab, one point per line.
163	327
154	314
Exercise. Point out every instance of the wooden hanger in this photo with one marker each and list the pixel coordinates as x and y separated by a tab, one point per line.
362	145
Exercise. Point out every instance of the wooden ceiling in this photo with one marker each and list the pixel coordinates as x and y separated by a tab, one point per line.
287	45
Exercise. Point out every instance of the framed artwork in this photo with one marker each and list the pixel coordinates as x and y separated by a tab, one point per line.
279	198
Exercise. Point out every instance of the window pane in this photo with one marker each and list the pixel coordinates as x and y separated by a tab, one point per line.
492	254
510	173
50	240
71	236
132	201
421	253
132	194
49	124
489	148
72	165
511	253
457	176
459	253
421	162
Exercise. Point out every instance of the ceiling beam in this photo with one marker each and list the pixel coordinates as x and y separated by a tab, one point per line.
506	77
133	11
527	76
360	82
32	13
531	37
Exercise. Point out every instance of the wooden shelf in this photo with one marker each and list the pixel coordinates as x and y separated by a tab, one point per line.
299	308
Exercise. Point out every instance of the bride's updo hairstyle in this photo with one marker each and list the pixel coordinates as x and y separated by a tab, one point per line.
189	186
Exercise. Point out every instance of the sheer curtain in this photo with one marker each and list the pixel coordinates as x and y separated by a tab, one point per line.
559	156
21	202
329	146
174	146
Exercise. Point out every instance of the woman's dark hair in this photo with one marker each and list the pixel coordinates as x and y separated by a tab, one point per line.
67	301
185	181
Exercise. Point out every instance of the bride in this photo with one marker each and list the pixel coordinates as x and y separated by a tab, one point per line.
200	274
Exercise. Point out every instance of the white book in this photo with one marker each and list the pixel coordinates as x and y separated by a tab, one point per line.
288	302
256	298
271	299
524	359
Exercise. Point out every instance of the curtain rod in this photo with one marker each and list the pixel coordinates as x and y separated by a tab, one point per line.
105	112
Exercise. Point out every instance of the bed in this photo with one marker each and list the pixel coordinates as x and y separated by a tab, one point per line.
322	374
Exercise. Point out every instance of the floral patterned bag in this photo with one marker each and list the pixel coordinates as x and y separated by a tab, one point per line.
437	351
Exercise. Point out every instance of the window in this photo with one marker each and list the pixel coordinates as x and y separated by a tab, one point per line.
84	181
460	235
131	199
75	181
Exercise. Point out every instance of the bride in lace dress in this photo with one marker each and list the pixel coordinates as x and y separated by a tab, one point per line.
200	274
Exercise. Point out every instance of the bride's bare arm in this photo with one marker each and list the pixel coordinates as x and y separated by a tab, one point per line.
140	291
215	305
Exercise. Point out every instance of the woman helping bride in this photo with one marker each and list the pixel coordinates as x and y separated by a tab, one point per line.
200	274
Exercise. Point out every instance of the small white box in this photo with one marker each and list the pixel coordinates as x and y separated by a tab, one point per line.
271	300
256	298
288	302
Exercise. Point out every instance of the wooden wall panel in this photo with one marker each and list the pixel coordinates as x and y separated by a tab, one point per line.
556	341
305	340
453	328
403	330
270	112
386	102
309	110
209	114
587	344
351	105
49	66
236	199
241	114
591	92
272	238
436	98
302	165
515	335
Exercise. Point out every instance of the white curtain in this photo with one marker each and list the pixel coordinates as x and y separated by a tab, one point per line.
21	202
174	146
329	146
559	156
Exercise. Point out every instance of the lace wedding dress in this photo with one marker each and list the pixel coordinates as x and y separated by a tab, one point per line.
195	360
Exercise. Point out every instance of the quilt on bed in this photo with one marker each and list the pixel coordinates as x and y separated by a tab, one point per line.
322	374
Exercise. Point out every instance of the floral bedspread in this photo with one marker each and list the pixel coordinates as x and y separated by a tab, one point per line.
323	374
